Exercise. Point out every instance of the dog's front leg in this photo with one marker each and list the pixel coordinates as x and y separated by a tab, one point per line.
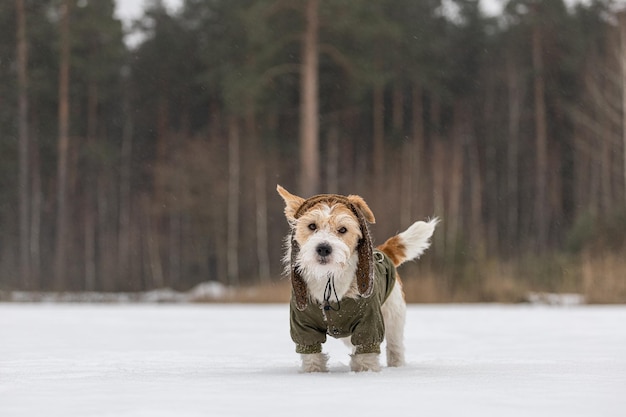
361	362
314	362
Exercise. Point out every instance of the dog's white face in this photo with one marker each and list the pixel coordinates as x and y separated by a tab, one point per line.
328	237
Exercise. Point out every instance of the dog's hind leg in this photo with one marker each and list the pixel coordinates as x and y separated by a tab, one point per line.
394	315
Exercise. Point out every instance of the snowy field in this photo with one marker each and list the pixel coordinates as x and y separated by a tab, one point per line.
238	360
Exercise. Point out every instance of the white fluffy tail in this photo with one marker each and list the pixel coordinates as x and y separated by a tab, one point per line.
411	243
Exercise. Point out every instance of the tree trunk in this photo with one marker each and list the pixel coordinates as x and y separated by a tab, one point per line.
89	186
35	217
262	241
24	196
232	243
153	251
332	156
622	32
260	192
406	179
378	127
397	119
406	155
417	154
484	235
454	171
476	229
90	248
606	152
174	215
124	232
174	245
542	212
63	149
512	176
105	234
309	106
161	204
440	169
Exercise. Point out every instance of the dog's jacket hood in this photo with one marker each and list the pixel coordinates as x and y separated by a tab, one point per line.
365	266
361	318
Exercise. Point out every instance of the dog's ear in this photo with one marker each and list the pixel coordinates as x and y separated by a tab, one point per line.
365	266
292	202
299	286
360	204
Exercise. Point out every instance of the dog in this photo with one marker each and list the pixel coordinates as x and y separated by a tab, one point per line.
341	285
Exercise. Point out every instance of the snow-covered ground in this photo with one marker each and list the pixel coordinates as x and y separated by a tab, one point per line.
238	360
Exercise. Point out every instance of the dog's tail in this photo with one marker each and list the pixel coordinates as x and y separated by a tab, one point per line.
411	243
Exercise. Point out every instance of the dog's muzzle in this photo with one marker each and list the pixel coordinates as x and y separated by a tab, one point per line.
324	250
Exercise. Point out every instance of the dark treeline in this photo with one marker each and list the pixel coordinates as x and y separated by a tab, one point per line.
126	169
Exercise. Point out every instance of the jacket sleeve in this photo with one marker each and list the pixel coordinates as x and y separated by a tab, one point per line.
369	331
306	334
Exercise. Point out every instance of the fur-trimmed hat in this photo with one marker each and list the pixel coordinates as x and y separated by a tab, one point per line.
365	266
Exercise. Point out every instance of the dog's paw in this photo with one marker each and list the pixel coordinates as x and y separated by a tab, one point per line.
365	362
395	359
314	362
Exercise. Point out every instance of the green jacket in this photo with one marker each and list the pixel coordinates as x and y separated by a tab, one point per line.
360	318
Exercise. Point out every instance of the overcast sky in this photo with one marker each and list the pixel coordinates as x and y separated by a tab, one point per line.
131	9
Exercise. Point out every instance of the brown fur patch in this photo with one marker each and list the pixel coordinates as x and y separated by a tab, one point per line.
394	249
359	203
330	218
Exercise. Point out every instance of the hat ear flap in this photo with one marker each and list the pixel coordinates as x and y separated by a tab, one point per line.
299	286
365	267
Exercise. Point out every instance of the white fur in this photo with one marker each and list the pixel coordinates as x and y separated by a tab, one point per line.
344	282
416	239
314	362
340	263
365	362
394	315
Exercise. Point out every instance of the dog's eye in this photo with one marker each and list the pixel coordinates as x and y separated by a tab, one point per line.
313	226
342	230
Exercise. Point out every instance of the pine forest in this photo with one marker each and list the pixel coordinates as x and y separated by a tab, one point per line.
132	167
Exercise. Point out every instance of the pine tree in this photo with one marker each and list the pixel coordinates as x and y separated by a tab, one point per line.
24	191
62	225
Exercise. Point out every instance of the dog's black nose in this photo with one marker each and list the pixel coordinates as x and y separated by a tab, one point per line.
324	249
